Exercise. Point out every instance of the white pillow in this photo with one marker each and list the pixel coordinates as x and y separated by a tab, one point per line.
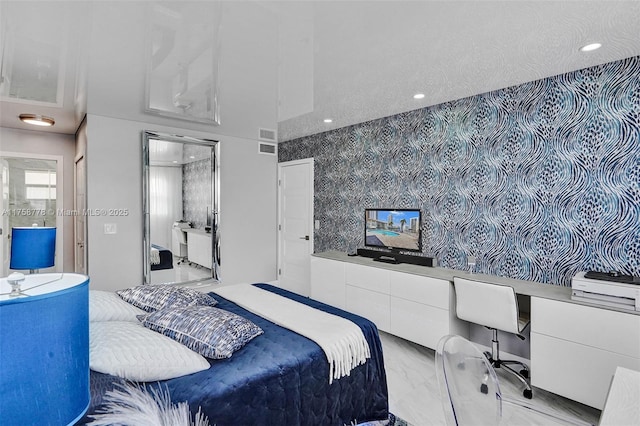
108	306
129	350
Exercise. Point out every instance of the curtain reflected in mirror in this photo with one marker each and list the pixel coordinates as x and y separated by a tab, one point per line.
181	241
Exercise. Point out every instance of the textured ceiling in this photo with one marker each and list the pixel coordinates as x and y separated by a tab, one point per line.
289	65
371	58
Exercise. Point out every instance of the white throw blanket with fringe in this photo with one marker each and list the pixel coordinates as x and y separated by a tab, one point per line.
341	340
155	256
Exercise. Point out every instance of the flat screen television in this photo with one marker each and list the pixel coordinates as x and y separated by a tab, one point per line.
393	229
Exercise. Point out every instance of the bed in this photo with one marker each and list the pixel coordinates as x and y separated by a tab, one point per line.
161	258
279	378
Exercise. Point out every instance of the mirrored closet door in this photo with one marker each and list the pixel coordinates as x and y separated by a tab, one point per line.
180	191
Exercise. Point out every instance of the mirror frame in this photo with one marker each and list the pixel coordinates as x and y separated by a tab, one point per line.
147	136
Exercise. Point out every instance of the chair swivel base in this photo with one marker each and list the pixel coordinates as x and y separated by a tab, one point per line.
522	375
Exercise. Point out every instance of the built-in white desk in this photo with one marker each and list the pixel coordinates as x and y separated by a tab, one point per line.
575	346
199	246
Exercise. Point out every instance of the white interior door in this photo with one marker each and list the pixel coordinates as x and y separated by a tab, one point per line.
295	225
80	222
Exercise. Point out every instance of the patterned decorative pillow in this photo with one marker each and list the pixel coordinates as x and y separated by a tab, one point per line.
155	297
212	332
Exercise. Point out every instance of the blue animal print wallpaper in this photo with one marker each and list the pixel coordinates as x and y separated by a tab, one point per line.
196	192
537	181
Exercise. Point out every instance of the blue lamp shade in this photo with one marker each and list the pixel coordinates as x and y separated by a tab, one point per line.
44	352
33	248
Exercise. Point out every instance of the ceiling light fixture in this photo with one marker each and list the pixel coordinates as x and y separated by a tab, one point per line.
328	120
37	120
590	47
418	96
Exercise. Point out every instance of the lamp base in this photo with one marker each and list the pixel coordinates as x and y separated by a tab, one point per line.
15	290
14	280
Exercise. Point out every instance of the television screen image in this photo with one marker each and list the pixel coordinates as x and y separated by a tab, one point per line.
397	229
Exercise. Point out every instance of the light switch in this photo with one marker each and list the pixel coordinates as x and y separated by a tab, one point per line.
316	224
110	228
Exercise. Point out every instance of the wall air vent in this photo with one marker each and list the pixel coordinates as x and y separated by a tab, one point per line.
267	148
268	135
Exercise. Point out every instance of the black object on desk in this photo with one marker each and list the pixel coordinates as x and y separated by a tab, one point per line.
386	259
399	257
614	276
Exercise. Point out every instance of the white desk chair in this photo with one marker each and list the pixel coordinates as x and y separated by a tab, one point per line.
495	307
179	245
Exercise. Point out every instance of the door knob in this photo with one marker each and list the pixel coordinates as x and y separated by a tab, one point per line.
306	237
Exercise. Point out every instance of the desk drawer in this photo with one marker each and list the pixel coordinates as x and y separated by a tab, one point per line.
576	371
375	279
418	323
369	304
425	290
327	281
592	326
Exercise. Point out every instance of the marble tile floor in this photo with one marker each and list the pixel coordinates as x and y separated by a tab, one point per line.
180	273
415	397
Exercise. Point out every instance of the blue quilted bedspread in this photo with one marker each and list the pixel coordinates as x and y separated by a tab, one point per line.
280	378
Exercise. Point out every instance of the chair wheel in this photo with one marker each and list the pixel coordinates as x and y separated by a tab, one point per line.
484	388
527	393
524	373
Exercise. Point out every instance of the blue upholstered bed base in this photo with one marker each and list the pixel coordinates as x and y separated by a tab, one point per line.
166	258
279	378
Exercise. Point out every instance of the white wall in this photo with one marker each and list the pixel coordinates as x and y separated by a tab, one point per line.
114	181
248	213
34	142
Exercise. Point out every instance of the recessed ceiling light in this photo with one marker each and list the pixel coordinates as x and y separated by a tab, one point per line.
328	120
36	120
192	156
418	96
591	46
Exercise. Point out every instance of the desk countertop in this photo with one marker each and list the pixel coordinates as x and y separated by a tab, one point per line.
526	288
196	231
